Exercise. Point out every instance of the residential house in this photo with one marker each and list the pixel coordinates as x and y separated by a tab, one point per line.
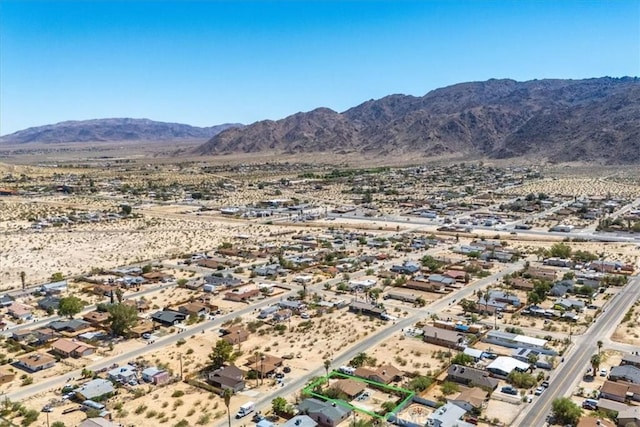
401	296
627	373
629	416
123	374
243	296
70	327
471	399
385	374
294	306
49	304
270	270
448	415
194	309
502	366
168	317
19	311
71	348
510	340
618	391
362	307
325	413
96	318
300	421
6	376
541	273
227	281
569	304
282	315
524	354
269	311
227	377
591	420
54	288
265	364
420	283
94	389
36	361
24	336
98	422
471	377
155	376
6	300
457	275
156	276
351	388
440	279
522	284
631	359
234	334
560	289
443	337
45	334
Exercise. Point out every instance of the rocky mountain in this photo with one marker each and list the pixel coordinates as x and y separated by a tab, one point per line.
560	120
112	130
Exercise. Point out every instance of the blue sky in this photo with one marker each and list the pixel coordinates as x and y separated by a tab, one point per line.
211	62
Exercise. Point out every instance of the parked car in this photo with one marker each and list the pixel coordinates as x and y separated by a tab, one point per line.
539	391
603	372
509	390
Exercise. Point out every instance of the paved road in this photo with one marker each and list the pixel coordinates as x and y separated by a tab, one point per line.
566	377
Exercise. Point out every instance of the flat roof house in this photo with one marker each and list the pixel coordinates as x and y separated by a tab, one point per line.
510	340
503	366
36	361
19	311
94	389
326	414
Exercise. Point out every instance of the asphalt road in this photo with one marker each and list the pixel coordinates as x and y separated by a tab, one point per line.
566	377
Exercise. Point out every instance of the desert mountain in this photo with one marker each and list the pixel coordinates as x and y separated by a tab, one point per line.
112	130
561	120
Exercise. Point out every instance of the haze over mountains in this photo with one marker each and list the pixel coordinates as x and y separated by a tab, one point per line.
560	120
119	129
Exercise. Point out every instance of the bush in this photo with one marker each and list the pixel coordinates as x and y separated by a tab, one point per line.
177	393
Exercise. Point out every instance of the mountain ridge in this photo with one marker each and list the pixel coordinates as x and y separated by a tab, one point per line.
112	129
595	119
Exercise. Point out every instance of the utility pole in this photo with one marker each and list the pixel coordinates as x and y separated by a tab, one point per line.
180	359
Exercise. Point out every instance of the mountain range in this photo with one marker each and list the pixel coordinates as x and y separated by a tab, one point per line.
560	120
592	120
118	129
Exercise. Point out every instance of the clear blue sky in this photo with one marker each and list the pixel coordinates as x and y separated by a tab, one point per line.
210	62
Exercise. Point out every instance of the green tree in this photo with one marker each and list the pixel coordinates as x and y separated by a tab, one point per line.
126	209
560	250
226	394
57	277
462	359
279	405
221	354
122	318
467	305
388	406
362	359
420	383
70	306
565	411
448	388
599	343
147	269
23	275
521	379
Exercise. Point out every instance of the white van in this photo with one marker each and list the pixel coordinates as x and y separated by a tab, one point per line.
347	370
246	409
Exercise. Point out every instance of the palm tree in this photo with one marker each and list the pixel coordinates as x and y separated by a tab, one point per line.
227	401
599	346
327	364
595	363
22	279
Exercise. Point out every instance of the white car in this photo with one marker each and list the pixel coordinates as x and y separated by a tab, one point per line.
603	372
539	391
